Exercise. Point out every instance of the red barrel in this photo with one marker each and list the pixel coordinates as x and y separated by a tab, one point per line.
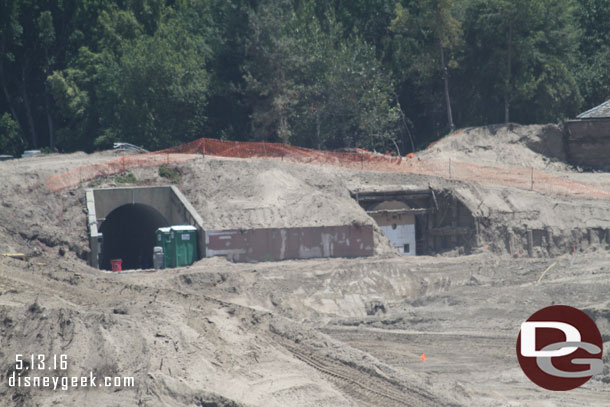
117	264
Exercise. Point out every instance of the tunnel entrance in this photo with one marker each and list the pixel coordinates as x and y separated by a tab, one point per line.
420	221
129	234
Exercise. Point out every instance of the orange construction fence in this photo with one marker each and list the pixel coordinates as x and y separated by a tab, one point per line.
355	159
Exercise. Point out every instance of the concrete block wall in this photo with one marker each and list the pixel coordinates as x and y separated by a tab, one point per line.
270	244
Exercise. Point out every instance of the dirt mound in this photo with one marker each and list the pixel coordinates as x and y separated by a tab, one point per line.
242	194
513	145
231	194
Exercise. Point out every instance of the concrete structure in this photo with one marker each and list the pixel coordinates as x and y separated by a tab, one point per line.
397	224
440	220
122	221
588	138
290	243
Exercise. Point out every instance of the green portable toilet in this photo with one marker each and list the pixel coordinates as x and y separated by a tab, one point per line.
166	241
185	242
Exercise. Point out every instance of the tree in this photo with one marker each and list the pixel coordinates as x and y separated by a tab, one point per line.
46	38
309	85
37	38
227	110
272	68
16	59
523	53
11	141
430	29
10	33
147	84
593	68
159	85
73	106
369	19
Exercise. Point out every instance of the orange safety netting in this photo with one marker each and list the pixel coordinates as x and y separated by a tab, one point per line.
356	159
83	173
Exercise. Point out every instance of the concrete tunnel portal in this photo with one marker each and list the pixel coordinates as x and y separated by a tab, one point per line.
420	221
129	235
121	223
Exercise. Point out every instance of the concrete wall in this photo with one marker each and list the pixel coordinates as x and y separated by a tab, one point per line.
163	199
290	243
167	200
588	143
402	237
182	209
94	235
399	228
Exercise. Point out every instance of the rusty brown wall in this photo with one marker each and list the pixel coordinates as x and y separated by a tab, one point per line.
588	143
290	243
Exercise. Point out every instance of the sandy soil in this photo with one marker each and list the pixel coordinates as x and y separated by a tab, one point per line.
514	146
322	332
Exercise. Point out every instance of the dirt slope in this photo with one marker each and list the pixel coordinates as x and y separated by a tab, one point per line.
533	146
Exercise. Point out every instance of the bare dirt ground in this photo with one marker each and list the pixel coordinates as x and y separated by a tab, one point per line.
322	332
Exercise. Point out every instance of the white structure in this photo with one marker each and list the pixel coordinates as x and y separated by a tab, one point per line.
398	227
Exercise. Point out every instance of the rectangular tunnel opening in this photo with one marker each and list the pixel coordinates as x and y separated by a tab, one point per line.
420	221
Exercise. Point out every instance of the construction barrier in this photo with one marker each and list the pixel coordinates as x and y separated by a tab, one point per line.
84	173
355	159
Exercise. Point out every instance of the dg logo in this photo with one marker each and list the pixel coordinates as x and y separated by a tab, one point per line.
560	348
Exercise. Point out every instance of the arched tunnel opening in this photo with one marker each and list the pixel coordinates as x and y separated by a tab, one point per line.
129	235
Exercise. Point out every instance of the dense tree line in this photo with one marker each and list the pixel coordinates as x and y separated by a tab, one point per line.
377	74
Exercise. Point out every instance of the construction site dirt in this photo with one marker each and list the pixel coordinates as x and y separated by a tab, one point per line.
316	332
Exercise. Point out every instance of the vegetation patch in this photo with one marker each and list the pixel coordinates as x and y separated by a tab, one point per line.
125	178
171	174
96	182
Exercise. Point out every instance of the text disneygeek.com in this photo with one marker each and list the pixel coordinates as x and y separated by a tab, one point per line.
29	368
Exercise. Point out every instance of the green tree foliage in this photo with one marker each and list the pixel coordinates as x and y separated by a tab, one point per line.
368	18
157	86
427	35
72	104
11	141
310	86
228	111
147	89
524	53
80	74
593	68
10	37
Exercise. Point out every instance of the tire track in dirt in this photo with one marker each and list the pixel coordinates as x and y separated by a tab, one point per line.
366	389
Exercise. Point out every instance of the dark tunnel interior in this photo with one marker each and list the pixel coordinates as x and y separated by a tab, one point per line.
129	235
